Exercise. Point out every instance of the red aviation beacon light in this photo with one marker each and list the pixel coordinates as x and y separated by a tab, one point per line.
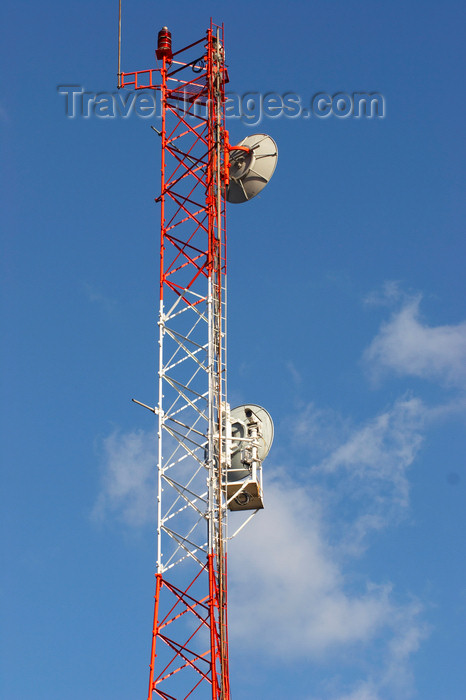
164	44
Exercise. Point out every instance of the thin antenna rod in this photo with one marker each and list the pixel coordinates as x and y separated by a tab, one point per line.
119	44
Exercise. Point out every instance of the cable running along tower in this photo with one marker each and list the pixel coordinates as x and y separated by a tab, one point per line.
209	458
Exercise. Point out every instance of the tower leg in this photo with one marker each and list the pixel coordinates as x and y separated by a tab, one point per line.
158	586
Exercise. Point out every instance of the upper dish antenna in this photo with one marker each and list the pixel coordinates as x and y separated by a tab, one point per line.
251	170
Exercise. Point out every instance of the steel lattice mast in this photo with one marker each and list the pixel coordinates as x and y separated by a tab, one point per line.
209	459
190	637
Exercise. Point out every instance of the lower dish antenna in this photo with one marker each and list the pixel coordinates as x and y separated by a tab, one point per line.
241	418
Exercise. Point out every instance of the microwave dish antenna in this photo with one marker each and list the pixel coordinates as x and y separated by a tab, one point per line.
252	165
242	417
251	440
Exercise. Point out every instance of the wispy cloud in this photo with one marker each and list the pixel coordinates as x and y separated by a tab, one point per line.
406	345
376	455
363	691
128	487
361	470
294	374
390	293
4	115
397	675
321	430
95	296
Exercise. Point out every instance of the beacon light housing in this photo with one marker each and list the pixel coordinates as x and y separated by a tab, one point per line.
164	44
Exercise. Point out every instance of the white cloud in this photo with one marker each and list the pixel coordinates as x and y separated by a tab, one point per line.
128	488
391	292
363	691
297	604
397	674
407	346
362	471
377	454
289	598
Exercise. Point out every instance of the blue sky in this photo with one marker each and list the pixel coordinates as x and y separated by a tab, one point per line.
347	321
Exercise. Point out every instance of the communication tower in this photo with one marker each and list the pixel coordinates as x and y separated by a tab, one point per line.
209	460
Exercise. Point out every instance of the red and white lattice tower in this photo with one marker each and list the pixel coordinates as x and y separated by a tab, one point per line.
209	462
190	633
